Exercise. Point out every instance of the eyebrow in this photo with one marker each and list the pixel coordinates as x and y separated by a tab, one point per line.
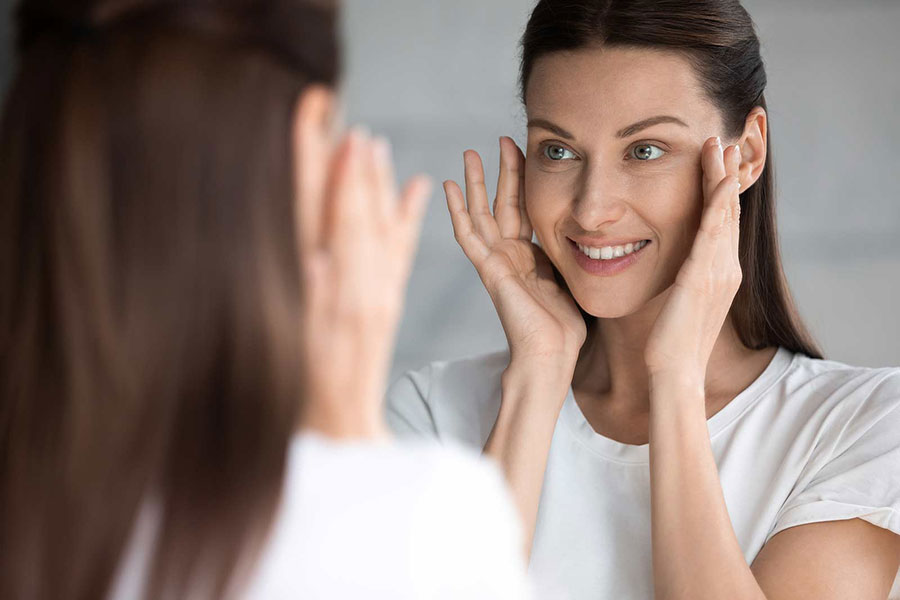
627	131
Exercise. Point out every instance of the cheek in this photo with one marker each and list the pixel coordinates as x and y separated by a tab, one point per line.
547	201
672	205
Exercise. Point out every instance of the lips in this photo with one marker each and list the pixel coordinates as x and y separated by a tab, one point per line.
612	251
607	267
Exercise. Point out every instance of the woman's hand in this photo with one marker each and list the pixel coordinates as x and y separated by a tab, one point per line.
683	336
541	320
355	265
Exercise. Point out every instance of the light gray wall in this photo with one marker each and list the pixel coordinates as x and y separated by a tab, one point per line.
439	76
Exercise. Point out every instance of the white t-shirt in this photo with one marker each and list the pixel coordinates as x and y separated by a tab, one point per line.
809	440
406	520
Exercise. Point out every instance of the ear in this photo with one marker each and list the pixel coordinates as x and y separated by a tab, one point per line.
314	134
754	147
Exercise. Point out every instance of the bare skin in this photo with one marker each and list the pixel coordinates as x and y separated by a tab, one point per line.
613	414
357	236
663	355
595	192
660	200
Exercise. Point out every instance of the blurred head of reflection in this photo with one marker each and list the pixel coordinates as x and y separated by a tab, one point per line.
148	279
620	98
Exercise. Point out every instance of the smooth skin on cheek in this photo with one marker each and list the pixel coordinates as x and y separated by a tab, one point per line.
607	194
599	188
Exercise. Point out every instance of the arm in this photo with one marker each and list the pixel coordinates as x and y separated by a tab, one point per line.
695	551
696	555
543	326
520	440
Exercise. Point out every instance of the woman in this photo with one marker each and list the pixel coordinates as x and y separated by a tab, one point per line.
662	416
191	369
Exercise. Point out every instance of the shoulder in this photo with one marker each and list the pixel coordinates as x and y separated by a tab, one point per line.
834	374
456	399
854	398
417	466
473	373
852	466
424	509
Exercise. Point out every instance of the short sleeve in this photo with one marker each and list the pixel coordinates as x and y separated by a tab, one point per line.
861	478
406	408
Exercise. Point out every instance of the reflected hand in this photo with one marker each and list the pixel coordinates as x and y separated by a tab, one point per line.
689	323
540	319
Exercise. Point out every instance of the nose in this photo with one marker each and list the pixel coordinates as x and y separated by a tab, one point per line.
600	199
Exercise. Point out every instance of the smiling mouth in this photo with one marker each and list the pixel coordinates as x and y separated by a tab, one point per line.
610	252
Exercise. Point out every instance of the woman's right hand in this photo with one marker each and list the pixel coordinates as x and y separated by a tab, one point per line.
540	319
355	260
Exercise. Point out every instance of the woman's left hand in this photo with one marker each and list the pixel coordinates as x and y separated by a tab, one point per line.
689	323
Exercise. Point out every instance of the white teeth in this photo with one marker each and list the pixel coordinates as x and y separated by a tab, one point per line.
609	252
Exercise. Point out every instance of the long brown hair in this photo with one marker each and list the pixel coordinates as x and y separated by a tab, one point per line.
149	287
719	38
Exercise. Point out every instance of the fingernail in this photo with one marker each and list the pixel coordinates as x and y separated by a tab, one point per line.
719	142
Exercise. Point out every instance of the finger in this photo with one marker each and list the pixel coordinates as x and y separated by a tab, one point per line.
712	161
506	203
414	199
338	168
413	203
314	269
350	196
477	201
463	229
525	229
714	222
310	181
384	180
733	169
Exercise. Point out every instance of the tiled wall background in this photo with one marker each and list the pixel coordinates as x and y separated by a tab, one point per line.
439	76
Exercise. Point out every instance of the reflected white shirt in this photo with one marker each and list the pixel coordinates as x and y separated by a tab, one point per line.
809	440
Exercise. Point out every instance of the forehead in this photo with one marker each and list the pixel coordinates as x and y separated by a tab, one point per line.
607	87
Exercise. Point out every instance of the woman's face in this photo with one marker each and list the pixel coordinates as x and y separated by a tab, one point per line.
613	157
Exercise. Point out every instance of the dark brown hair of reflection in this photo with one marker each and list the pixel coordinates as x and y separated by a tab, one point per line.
719	38
149	286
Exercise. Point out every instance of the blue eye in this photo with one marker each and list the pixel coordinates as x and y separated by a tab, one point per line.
557	153
646	152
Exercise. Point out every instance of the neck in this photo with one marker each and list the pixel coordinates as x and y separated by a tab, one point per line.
611	367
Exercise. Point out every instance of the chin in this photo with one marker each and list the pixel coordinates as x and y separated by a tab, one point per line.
607	306
602	312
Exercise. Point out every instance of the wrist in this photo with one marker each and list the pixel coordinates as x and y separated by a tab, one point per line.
671	386
344	422
544	375
559	365
541	384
